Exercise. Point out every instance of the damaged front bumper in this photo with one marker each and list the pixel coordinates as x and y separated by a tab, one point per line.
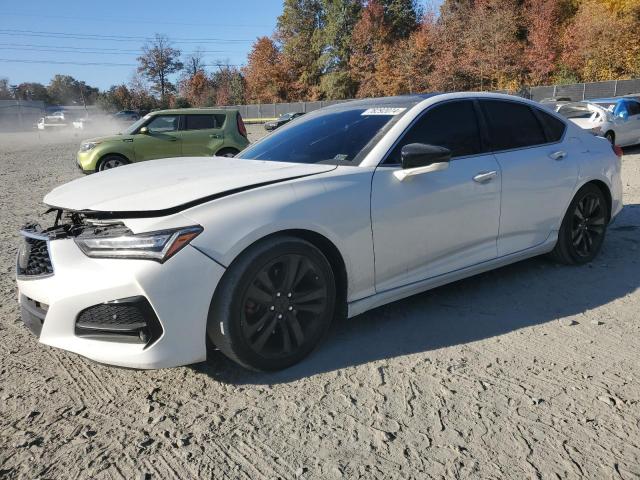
127	312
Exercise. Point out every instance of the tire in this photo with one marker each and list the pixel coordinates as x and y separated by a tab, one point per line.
227	152
611	137
580	239
252	300
111	161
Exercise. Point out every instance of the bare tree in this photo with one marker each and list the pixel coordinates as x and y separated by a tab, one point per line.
194	62
159	60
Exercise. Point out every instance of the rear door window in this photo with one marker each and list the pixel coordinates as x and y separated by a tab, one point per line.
199	122
452	125
511	125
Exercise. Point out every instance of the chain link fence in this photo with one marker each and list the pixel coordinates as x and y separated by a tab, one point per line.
586	91
575	92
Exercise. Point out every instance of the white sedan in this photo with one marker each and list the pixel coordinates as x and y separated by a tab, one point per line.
346	209
616	119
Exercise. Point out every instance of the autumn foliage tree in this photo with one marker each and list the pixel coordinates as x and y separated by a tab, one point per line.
601	41
264	73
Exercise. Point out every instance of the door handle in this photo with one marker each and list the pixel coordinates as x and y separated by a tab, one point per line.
173	139
559	155
484	177
215	136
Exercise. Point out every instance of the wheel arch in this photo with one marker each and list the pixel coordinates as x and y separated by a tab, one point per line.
228	149
328	249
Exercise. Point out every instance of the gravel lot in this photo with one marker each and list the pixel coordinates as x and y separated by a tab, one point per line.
530	371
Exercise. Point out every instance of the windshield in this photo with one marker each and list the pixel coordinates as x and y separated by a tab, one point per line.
333	137
609	106
131	129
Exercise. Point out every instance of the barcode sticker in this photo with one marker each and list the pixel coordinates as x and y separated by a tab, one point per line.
383	111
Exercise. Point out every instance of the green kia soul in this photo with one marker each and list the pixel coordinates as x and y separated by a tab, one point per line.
184	132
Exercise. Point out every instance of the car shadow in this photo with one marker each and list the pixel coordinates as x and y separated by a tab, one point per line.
633	150
525	294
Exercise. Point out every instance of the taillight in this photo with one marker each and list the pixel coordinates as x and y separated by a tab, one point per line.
241	128
617	149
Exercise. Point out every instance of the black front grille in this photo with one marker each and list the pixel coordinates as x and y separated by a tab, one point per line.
129	320
33	257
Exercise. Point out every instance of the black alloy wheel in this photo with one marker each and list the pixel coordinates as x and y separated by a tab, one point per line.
583	228
274	304
588	225
284	306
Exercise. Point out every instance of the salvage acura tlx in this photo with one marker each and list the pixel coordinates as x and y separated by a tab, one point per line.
347	208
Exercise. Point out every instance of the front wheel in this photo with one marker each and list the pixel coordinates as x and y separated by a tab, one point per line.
583	228
274	304
112	161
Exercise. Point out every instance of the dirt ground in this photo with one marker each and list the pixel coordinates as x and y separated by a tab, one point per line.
530	371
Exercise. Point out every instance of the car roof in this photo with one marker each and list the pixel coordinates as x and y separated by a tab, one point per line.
397	101
604	100
187	111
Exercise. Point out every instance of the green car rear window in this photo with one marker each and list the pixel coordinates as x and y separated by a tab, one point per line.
204	121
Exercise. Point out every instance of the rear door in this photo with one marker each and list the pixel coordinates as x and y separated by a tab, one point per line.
436	222
161	141
539	171
202	134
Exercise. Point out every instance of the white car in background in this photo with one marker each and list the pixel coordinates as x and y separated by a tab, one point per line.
348	208
616	119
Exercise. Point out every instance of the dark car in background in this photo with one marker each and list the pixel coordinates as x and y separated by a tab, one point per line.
281	120
126	116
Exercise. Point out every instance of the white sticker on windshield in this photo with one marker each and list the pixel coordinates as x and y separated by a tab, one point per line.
383	111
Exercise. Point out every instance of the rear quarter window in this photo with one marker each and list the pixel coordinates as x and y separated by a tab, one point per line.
553	127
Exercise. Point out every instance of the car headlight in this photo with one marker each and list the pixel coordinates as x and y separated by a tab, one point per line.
85	147
158	246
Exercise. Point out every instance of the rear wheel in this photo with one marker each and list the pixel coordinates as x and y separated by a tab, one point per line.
111	161
583	228
611	137
227	152
273	305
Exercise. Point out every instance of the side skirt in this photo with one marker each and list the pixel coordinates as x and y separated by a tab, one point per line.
381	298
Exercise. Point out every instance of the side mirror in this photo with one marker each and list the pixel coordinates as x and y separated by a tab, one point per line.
418	158
144	131
624	115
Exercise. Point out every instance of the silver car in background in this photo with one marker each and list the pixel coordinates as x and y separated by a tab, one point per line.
616	119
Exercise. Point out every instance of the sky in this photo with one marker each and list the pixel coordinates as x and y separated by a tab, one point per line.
98	41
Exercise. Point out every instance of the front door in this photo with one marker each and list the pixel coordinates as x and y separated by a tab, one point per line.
161	140
436	222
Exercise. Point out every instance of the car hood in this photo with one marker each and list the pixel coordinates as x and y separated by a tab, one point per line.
162	187
108	138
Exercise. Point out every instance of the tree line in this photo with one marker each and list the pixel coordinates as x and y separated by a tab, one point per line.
338	49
